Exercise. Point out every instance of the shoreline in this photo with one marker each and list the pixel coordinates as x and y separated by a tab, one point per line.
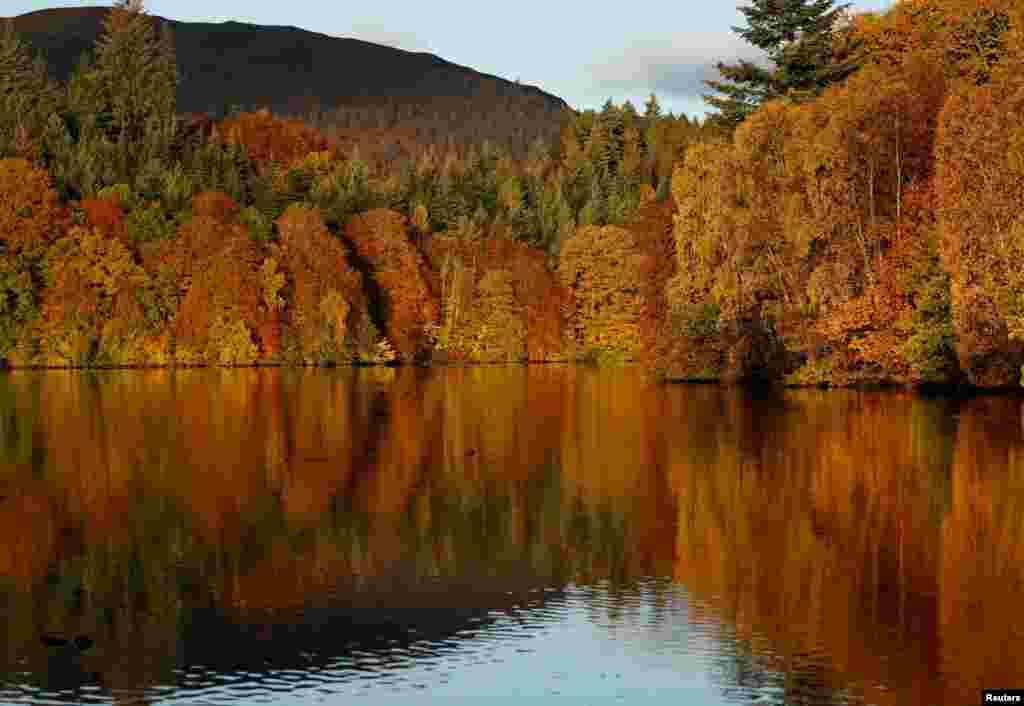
926	389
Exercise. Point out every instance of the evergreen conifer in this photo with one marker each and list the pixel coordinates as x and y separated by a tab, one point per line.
798	37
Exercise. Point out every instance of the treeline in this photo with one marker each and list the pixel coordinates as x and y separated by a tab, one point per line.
872	233
132	235
378	125
849	216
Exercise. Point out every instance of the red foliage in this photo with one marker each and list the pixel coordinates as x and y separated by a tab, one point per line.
212	225
106	215
271	139
220	265
318	266
540	293
381	239
216	205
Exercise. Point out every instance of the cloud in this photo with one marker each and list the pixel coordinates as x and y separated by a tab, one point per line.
377	33
675	67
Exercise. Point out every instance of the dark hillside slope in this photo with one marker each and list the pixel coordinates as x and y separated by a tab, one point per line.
296	71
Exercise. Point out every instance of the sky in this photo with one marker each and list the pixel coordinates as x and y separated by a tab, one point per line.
583	52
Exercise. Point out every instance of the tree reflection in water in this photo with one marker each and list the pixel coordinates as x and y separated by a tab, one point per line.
804	546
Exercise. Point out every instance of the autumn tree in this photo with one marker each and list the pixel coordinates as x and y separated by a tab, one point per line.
30	220
602	267
720	263
324	298
499	301
224	316
980	170
90	312
403	303
963	38
269	138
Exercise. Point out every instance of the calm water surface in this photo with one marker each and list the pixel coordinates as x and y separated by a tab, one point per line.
499	534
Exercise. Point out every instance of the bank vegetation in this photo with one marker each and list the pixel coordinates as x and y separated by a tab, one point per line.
856	219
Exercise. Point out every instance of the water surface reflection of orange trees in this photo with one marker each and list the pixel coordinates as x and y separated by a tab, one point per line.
133	498
845	540
982	573
870	541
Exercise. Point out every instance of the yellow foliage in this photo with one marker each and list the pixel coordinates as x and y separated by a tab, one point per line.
273	282
90	303
232	342
603	267
334	310
319	163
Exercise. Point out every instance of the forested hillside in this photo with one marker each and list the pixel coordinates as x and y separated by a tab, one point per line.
851	215
234	65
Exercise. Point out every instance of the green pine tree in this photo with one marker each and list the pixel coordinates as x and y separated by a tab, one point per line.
652	110
799	39
134	84
27	96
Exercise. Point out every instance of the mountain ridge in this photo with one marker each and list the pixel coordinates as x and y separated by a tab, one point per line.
216	61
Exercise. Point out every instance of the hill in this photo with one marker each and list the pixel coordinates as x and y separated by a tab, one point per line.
337	81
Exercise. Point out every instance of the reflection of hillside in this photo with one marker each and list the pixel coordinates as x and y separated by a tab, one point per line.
358	633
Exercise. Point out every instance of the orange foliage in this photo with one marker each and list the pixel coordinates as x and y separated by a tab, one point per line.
90	311
272	139
29	211
215	205
653	227
105	214
981	185
327	300
381	240
499	300
810	231
961	38
222	317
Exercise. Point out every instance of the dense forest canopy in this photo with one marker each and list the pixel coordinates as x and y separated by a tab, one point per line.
850	215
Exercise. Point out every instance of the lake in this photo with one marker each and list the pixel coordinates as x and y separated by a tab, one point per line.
497	534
